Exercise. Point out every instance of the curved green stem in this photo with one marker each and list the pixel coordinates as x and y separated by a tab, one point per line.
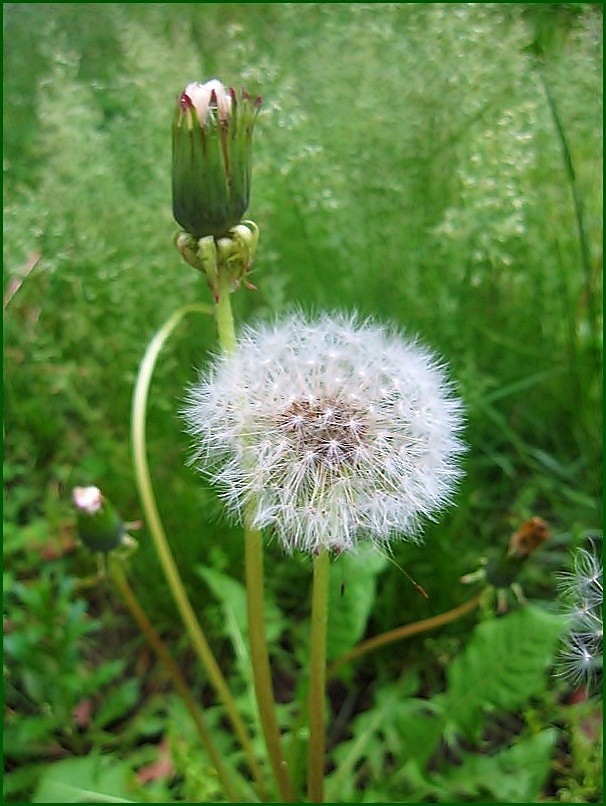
156	529
405	631
253	549
179	682
317	677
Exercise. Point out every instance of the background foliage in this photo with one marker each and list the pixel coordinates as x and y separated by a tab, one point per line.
437	165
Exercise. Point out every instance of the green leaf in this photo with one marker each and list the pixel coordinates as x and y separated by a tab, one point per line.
396	725
24	735
232	595
107	672
91	779
118	702
351	596
19	782
503	666
514	775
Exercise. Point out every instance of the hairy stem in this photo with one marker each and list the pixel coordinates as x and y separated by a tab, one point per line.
152	518
317	677
179	682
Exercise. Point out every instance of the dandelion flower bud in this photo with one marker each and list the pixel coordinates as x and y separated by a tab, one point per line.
212	147
99	526
504	569
582	595
328	432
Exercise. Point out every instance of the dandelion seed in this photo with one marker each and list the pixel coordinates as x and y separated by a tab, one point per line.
581	595
331	431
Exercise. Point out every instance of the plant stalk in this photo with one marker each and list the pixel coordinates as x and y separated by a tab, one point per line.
152	518
179	682
317	677
223	314
260	659
405	631
253	548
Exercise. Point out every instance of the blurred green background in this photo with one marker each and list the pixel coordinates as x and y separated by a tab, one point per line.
434	165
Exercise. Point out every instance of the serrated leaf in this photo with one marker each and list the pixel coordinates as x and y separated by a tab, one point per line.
514	775
108	671
502	667
90	779
351	597
119	701
397	726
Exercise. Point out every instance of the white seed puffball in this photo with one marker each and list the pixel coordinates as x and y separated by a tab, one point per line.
329	431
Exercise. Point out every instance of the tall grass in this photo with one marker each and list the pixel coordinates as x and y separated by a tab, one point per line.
408	164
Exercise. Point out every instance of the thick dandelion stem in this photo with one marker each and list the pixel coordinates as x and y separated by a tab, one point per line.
317	678
260	660
224	316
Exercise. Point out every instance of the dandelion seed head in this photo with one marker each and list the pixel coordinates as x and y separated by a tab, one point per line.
330	430
581	595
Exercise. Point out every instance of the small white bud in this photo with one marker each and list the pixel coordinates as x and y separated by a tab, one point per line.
87	499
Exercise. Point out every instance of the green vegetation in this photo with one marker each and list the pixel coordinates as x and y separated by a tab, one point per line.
435	165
